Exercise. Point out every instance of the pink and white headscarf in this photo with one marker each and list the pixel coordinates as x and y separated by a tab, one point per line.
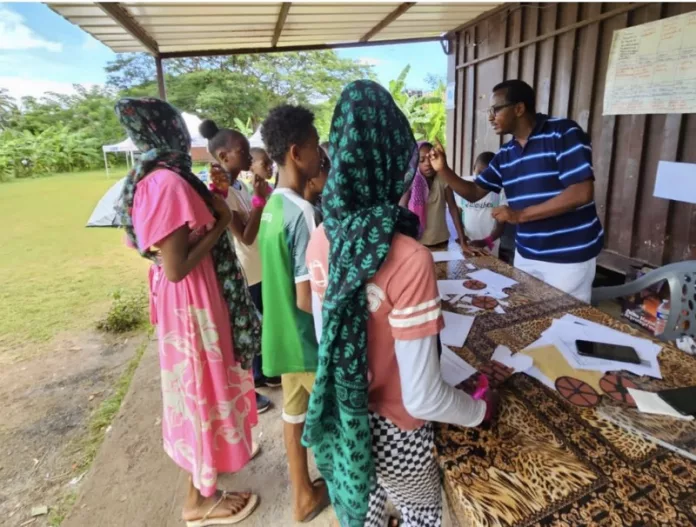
418	201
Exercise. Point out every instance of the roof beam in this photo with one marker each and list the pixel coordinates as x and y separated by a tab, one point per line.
282	16
120	14
387	20
302	47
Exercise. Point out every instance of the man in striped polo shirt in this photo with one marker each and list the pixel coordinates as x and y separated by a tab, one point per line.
546	171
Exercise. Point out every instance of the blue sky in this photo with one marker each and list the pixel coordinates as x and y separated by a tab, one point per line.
40	51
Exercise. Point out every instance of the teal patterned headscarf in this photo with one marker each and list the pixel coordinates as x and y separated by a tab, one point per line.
159	131
372	152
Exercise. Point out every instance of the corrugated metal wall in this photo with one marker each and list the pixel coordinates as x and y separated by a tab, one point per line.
565	58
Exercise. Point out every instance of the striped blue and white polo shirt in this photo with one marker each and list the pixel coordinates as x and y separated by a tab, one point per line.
558	154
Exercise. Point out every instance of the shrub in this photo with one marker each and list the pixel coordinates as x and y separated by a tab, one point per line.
128	311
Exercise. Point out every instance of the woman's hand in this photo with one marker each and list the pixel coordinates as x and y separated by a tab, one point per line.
481	244
222	210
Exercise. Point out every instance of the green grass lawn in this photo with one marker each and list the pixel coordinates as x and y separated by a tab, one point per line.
55	274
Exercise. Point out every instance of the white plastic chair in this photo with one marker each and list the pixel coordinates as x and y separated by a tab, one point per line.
681	278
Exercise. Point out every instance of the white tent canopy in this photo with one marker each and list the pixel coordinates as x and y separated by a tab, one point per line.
128	147
105	214
255	140
124	146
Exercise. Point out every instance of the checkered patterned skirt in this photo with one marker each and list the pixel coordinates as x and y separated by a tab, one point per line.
407	475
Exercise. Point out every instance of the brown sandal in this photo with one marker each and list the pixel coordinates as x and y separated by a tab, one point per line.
243	514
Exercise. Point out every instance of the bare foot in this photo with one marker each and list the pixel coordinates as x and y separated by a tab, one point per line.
231	505
317	500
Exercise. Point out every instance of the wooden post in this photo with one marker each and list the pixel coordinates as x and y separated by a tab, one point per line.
160	78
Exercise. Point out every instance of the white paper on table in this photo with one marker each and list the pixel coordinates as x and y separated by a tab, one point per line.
456	287
452	299
519	362
453	368
565	331
499	310
469	308
470	266
651	403
492	280
676	181
447	256
456	330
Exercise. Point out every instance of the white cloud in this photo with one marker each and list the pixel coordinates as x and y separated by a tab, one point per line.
370	61
28	87
16	35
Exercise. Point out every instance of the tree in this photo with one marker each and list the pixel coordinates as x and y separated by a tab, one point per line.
129	70
426	113
241	86
88	109
245	128
8	108
58	132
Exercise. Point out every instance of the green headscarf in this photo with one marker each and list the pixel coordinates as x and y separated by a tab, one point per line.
372	152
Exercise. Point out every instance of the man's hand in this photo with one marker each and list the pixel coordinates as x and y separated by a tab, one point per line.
438	159
505	214
481	244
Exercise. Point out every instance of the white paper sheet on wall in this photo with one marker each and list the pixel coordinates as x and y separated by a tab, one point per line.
676	181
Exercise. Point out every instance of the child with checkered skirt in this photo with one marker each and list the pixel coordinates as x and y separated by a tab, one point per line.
377	316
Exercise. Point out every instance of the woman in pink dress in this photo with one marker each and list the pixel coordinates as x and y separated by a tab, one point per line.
208	328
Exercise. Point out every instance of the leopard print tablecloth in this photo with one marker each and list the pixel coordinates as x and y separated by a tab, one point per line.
547	462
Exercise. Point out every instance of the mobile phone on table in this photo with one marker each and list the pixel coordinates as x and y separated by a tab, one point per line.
602	350
683	400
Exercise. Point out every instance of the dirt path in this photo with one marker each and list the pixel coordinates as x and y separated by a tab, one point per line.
134	484
47	401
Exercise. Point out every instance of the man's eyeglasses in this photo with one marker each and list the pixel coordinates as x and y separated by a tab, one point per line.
495	110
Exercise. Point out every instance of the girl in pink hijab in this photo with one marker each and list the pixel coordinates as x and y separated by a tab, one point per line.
429	198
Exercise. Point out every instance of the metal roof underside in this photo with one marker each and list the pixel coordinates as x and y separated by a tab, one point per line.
189	28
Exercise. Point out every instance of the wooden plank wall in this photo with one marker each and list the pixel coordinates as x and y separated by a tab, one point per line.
568	71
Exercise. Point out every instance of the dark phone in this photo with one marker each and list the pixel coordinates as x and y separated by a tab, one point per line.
601	350
683	400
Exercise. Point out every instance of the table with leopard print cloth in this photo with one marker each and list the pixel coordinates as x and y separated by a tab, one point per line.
548	462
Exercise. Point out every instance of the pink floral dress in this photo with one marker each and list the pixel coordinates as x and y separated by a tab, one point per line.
209	400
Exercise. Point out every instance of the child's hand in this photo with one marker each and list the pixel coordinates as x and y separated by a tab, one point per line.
470	251
219	179
261	187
